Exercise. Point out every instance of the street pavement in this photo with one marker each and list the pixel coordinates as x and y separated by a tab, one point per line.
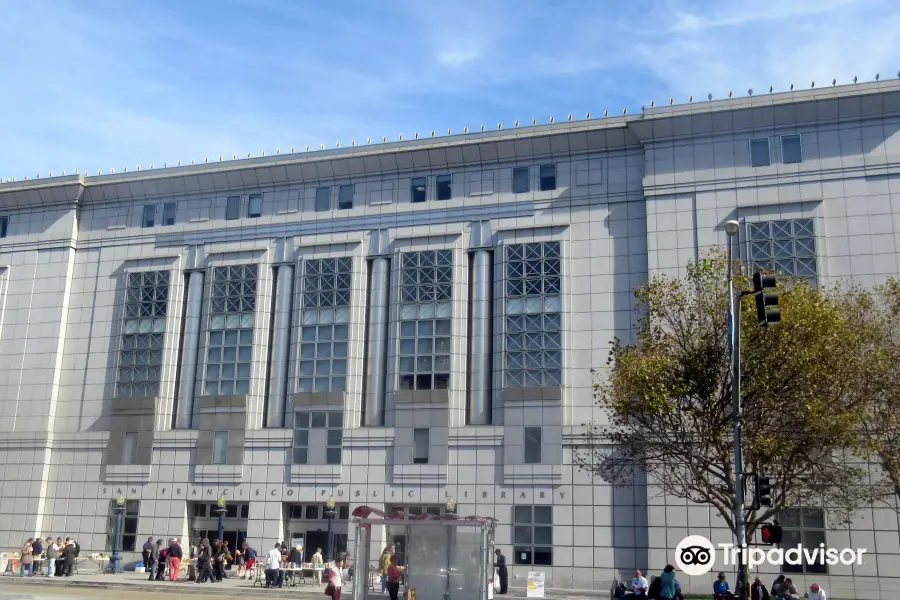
135	586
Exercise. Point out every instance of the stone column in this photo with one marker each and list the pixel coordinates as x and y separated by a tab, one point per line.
189	358
480	334
281	343
376	365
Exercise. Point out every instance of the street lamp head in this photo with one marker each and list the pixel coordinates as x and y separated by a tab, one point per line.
120	500
731	227
221	501
331	503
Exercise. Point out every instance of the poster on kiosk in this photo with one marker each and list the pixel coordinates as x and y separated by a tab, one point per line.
535	587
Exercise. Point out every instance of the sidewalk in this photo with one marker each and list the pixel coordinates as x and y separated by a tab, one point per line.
138	582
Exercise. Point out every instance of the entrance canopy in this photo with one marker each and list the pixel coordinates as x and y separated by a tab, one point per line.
448	557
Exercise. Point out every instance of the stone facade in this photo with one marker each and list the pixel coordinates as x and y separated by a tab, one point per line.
397	324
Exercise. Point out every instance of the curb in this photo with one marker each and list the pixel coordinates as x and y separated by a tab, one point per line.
167	588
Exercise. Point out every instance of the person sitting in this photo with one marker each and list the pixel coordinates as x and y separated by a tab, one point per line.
720	589
639	585
758	591
788	591
816	592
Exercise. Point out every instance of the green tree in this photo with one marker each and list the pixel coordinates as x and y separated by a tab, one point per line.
878	312
667	398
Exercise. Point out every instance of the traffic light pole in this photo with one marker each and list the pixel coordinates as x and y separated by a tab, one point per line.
734	299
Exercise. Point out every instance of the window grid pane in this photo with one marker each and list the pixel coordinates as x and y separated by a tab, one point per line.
759	152
149	215
805	527
143	334
323	199
129	453
520	180
426	281
324	332
230	333
169	213
220	447
233	208
444	185
254	206
4	224
419	189
421	443
548	178
334	435
532	535
533	315
345	197
533	443
791	150
787	247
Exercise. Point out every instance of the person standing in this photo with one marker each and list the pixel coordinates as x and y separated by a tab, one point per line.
384	563
273	566
240	561
163	560
69	556
26	561
36	550
150	554
250	553
59	561
337	580
393	578
318	566
204	562
174	559
52	556
502	573
218	560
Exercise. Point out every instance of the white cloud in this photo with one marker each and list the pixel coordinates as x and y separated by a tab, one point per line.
457	58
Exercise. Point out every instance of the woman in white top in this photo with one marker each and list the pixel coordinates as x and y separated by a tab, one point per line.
318	564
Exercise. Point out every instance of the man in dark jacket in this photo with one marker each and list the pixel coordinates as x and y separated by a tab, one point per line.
150	553
758	591
69	555
502	572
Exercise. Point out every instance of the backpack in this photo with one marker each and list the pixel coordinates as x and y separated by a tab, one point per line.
620	591
655	588
77	548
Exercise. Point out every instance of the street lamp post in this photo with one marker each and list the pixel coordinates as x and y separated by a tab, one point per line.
220	512
329	514
734	327
115	561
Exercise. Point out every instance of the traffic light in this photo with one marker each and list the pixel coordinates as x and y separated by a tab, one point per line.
771	534
763	491
767	310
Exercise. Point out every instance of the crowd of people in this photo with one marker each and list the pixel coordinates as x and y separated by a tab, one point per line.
208	560
58	557
666	587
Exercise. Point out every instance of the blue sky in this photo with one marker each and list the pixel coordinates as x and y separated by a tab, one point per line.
101	84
